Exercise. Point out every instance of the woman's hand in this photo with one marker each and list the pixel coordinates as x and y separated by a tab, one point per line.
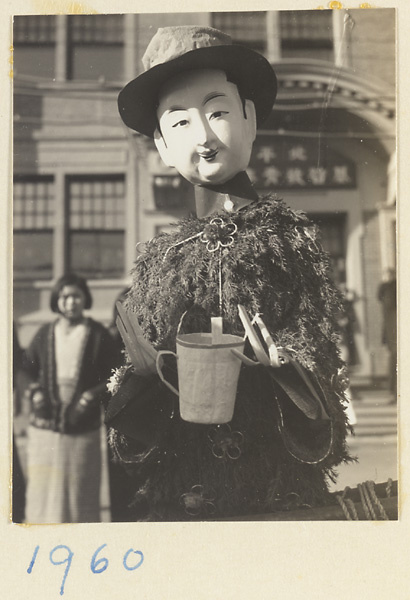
86	399
39	405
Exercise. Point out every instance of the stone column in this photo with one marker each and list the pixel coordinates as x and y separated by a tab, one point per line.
61	62
273	50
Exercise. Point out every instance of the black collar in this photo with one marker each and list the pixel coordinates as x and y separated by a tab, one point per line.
230	196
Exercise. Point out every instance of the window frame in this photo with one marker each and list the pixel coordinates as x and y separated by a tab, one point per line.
113	177
47	226
72	44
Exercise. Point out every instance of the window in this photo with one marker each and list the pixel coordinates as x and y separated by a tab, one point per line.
34	39
96	220
333	238
33	210
167	192
95	47
172	193
94	233
306	34
245	28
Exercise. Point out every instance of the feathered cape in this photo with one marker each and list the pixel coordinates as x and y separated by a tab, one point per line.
274	266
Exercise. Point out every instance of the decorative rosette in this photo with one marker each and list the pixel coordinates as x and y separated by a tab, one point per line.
225	442
218	234
198	501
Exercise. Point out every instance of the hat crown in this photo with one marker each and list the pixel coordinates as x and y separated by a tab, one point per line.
171	42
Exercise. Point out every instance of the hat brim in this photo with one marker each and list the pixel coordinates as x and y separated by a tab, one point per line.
250	71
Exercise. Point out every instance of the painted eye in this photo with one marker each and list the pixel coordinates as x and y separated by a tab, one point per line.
180	123
218	113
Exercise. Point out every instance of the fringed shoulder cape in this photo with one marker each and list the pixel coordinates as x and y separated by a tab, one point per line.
271	456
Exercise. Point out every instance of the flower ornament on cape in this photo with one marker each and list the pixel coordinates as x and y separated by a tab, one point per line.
198	501
225	442
218	234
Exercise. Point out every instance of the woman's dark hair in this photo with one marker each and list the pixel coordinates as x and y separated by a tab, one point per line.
70	279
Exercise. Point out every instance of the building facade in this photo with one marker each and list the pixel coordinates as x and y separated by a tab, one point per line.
87	190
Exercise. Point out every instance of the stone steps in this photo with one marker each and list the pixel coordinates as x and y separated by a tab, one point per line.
375	418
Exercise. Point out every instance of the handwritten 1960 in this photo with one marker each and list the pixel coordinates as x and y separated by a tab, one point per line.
62	554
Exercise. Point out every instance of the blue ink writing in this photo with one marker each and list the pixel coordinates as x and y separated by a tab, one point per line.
94	564
33	560
67	560
131	551
97	565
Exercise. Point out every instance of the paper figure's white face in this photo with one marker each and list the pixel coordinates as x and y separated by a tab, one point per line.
204	132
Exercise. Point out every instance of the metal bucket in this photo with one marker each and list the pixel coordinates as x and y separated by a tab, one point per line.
208	373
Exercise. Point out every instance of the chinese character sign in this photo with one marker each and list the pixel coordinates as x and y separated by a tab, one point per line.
287	163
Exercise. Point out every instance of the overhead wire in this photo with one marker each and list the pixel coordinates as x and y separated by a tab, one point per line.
348	22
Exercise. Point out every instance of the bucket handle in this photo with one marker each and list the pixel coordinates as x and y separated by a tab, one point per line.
246	361
159	364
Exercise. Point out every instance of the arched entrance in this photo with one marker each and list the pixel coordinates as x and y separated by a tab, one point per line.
327	149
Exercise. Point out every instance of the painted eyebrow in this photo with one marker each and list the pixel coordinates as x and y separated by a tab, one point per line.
207	98
175	109
211	96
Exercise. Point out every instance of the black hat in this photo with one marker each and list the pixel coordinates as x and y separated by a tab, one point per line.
173	50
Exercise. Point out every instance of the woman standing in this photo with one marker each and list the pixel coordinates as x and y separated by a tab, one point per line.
70	361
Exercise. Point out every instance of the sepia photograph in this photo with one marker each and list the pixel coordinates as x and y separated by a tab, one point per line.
204	267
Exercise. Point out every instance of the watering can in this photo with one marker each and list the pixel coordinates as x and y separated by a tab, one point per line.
208	373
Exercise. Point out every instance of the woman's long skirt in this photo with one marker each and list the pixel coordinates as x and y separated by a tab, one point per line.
64	475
